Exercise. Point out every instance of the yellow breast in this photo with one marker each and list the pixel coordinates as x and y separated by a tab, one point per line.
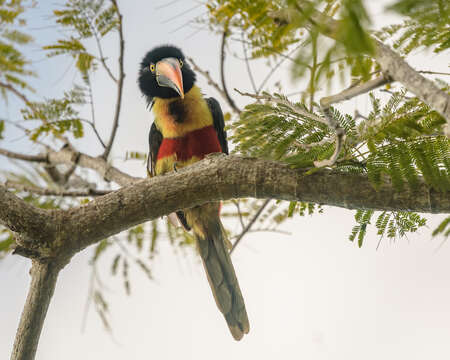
196	114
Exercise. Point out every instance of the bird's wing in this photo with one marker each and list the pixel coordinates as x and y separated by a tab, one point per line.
219	123
154	140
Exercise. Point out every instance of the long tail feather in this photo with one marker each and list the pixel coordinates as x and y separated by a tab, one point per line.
211	242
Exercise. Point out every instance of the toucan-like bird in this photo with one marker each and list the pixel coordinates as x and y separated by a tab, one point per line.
187	127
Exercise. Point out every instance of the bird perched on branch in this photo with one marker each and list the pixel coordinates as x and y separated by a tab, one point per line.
187	127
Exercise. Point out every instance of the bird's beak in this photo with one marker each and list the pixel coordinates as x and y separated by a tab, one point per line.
168	74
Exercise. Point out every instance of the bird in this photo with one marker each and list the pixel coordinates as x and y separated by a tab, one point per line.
186	127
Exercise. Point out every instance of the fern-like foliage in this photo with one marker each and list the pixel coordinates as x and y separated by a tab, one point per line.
57	116
13	64
426	26
85	20
443	228
392	224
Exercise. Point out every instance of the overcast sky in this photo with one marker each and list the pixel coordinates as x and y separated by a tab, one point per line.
310	295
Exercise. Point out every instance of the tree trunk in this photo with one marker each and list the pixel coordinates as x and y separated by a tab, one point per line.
43	281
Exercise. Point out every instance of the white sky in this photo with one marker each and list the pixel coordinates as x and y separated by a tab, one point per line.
312	295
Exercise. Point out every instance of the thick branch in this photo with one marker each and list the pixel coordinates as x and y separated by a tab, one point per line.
43	282
119	85
218	177
29	221
52	192
390	62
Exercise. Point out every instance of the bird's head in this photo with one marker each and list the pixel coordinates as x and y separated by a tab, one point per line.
165	74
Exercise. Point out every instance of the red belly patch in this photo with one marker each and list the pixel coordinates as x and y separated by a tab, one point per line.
196	143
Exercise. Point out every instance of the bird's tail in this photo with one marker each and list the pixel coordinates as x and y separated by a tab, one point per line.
212	246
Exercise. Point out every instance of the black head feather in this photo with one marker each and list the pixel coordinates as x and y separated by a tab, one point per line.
147	80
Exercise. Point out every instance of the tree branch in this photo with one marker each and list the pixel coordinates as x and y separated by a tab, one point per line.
119	85
354	90
250	224
51	192
71	157
211	82
218	177
297	109
32	158
222	71
15	92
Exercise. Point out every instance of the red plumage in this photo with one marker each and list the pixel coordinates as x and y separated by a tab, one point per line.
196	143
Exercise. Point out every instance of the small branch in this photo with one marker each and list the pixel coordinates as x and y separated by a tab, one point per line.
275	67
119	85
238	207
51	192
43	282
308	147
32	158
211	82
287	103
247	65
354	91
100	50
250	224
222	71
340	138
94	128
15	92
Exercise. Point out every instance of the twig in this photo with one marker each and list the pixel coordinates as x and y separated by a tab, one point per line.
119	86
308	147
247	65
211	82
285	102
276	66
91	100
100	50
268	230
14	155
222	71
50	192
15	92
433	72
355	90
238	207
346	94
250	224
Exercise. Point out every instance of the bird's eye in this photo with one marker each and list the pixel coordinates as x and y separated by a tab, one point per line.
152	67
181	62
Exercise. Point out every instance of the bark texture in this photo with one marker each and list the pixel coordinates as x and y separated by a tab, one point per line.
218	177
43	282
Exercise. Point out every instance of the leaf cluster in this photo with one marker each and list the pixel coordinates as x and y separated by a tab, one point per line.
57	116
13	64
426	25
392	224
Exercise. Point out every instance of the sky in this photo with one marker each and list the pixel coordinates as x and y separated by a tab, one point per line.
309	295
